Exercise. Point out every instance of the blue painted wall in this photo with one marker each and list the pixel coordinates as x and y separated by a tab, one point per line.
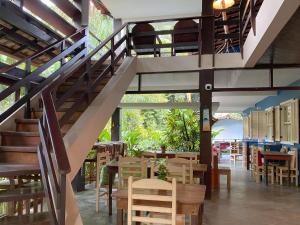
233	129
274	101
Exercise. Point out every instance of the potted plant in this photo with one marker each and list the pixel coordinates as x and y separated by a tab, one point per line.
163	146
162	169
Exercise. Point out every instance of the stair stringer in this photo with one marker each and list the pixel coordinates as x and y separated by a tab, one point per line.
81	137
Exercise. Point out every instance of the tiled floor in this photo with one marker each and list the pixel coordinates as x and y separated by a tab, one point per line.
247	203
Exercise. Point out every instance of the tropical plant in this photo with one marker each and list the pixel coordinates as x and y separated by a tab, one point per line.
132	138
162	171
182	130
105	136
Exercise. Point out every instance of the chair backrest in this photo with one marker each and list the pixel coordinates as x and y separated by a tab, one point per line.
177	171
143	40
102	158
131	166
149	155
234	147
189	172
157	191
294	161
185	25
193	156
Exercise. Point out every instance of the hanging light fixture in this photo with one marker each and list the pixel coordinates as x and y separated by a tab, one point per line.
222	4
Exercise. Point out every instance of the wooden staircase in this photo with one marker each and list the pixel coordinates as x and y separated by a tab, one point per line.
33	156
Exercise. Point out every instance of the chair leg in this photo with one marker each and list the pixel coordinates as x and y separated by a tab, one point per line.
97	188
228	181
281	177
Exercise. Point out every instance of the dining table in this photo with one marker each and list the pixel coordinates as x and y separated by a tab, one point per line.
189	200
112	168
276	156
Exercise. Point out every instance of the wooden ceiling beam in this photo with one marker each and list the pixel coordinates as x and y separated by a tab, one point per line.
15	17
69	9
48	15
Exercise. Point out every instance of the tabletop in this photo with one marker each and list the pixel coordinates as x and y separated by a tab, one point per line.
196	167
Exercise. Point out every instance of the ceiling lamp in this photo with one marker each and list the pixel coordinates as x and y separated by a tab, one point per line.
222	4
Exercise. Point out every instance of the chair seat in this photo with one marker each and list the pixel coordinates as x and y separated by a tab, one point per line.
148	51
284	168
181	49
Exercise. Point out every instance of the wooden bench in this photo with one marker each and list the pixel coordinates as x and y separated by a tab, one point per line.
226	172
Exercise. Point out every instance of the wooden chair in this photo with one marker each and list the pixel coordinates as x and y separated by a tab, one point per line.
157	191
102	159
259	168
139	41
188	155
131	166
235	151
189	172
282	171
225	171
188	38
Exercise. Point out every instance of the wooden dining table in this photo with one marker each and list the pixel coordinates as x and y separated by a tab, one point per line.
276	156
112	167
190	201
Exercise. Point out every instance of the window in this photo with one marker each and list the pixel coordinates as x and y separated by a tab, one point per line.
290	121
270	124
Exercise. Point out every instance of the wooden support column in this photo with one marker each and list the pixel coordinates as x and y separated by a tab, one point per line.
206	77
116	125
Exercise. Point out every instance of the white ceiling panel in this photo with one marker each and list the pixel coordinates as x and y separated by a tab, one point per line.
132	10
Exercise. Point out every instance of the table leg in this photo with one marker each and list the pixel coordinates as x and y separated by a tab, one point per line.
197	219
119	216
110	184
267	172
289	172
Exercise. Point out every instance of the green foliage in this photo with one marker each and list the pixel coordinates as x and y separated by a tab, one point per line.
105	135
162	171
215	133
182	130
132	139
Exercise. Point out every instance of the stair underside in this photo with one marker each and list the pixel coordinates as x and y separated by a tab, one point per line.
33	219
20	194
21	149
10	170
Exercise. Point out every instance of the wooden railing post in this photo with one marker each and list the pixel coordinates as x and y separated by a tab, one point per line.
128	50
241	29
253	16
199	41
27	89
112	50
62	48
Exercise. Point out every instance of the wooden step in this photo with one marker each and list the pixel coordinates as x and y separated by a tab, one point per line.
18	154
65	88
13	138
32	219
10	170
27	125
38	114
20	194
